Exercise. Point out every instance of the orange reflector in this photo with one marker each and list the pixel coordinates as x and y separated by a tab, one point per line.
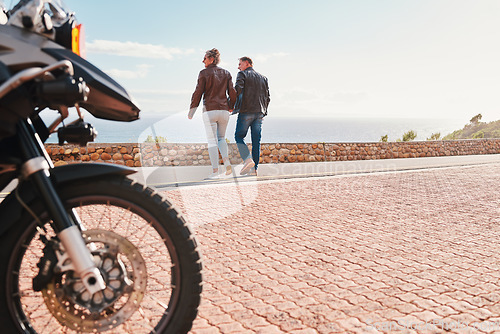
78	40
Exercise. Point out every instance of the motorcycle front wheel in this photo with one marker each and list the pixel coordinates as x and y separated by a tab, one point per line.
142	246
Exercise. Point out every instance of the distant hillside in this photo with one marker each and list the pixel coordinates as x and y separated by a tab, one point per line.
476	130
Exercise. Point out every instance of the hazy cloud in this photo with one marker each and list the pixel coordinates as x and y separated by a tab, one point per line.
257	58
263	57
140	72
310	96
314	103
133	49
162	100
174	92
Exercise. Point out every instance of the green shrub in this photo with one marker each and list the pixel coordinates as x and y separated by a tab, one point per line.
409	136
435	136
454	135
156	139
478	135
495	134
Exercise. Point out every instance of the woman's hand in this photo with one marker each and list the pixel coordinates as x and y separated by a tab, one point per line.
191	113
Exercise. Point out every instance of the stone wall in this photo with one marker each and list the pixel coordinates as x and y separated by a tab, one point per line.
123	154
166	154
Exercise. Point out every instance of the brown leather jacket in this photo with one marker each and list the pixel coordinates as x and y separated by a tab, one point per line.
213	83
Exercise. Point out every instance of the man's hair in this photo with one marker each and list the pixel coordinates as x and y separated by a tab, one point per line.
247	59
215	54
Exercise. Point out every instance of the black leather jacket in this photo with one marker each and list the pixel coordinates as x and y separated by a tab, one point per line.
255	89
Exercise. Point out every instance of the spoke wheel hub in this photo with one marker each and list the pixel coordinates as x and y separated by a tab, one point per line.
124	272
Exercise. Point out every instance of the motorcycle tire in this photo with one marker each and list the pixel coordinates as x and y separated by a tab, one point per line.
143	247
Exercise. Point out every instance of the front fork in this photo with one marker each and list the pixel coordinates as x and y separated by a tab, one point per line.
37	169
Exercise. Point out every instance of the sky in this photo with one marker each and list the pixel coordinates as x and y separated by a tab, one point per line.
331	58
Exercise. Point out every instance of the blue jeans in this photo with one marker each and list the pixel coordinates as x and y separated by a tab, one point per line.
254	122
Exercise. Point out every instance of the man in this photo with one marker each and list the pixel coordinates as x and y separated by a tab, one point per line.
252	90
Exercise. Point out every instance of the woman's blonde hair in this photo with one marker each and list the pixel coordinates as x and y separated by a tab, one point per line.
215	54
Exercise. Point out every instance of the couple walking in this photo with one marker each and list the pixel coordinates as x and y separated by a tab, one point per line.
249	98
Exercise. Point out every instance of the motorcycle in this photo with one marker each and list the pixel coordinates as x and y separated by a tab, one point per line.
83	247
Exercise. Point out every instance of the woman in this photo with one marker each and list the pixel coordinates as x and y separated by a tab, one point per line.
215	85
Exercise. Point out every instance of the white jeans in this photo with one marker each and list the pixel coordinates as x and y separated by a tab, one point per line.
215	126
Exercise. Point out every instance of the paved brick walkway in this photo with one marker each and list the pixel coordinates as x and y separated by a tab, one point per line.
391	252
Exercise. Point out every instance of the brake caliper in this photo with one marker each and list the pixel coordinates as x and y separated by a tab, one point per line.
46	264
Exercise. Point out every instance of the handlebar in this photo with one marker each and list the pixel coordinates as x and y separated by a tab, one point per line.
32	73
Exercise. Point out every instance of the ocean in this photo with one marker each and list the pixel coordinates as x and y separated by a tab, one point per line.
178	129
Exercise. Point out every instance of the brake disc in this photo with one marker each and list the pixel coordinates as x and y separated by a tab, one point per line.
124	272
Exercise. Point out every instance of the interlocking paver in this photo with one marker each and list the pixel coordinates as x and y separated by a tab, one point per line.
414	251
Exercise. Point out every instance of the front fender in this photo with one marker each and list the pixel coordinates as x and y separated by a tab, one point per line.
76	172
10	208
